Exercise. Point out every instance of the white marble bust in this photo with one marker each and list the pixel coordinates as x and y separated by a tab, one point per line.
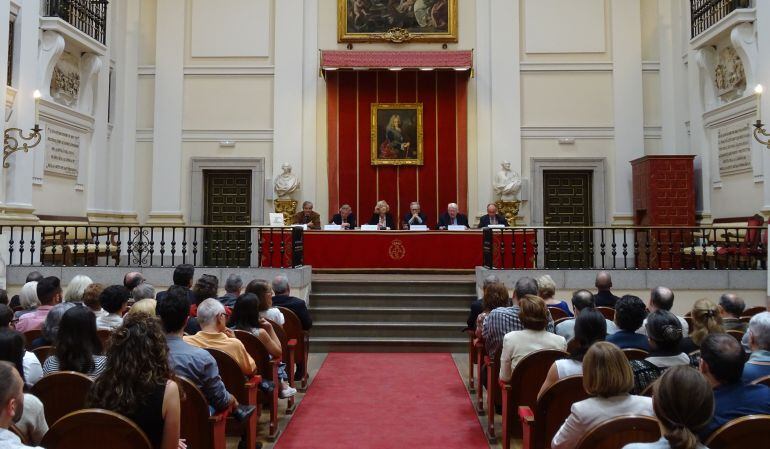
507	183
286	183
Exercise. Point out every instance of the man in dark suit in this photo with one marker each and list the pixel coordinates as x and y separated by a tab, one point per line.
282	298
476	305
413	217
604	296
183	279
346	218
308	216
452	216
492	217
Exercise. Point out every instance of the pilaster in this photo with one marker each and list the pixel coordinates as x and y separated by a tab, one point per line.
5	14
763	77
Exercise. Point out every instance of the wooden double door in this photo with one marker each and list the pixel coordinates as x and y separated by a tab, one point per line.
227	196
568	203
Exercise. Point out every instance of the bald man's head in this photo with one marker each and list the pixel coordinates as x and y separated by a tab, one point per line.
603	281
661	298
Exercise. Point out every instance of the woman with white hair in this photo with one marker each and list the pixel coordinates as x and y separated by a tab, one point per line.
76	288
28	299
547	289
382	217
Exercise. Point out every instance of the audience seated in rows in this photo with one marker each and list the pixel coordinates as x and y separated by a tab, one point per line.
51	326
146	306
495	295
13	403
476	305
49	293
581	300
32	423
91	299
33	276
143	291
722	360
731	309
547	291
12	349
28	300
78	347
263	291
75	289
282	298
138	382
533	315
705	320
233	287
608	378
664	332
630	313
758	364
684	404
662	298
114	300
590	327
132	280
604	296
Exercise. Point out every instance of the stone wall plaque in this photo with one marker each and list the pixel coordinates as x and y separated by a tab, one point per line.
62	151
734	144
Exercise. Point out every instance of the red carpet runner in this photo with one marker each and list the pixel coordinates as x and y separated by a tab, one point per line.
385	401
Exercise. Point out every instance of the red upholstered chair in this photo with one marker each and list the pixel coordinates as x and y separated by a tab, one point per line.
95	429
494	394
635	354
198	428
746	432
293	329
557	313
289	348
618	432
541	422
268	368
608	312
522	389
245	391
61	393
750	251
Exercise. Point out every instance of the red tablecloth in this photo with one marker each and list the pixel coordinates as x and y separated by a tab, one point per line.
407	249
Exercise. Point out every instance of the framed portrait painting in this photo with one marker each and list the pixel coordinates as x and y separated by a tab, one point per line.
397	134
397	20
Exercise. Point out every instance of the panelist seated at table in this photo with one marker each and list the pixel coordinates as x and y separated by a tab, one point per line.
452	217
382	217
346	218
413	217
492	217
308	217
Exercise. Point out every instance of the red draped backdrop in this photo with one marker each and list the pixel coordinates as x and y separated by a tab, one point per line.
441	180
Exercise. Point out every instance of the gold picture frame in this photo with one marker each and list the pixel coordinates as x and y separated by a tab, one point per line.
397	134
412	20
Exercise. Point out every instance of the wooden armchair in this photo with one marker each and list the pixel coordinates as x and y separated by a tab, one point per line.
289	348
521	390
541	422
494	393
293	328
30	336
608	312
245	391
78	245
471	359
635	354
745	432
197	427
620	431
729	244
762	380
43	352
479	351
95	429
62	393
104	336
738	335
751	311
557	313
268	368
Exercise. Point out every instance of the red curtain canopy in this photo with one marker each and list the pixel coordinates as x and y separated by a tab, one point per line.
379	60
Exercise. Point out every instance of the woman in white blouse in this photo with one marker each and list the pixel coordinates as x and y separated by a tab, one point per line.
533	314
264	292
607	376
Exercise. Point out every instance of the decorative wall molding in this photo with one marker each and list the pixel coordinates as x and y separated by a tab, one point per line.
149	70
595	66
192	135
51	48
744	40
90	64
197	198
78	40
717	32
707	63
650	66
734	110
587	132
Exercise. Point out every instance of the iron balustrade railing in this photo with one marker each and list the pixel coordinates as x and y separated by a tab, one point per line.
153	246
89	16
648	248
706	13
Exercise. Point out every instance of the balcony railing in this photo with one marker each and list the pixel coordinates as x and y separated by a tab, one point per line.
154	246
706	13
646	248
89	16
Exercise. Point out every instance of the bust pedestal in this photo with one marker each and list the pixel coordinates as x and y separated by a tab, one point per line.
288	208
509	209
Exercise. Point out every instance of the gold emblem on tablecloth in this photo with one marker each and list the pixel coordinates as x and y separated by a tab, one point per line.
396	250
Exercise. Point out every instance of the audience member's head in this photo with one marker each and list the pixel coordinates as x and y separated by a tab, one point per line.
12	349
731	305
178	290
606	371
546	287
590	327
11	395
759	332
245	312
28	296
525	286
207	286
34	276
137	362
661	298
49	291
630	312
174	310
664	331
263	291
77	341
533	312
76	288
53	321
705	320
212	316
145	306
495	295
234	284
91	297
3	296
143	291
603	281
132	280
722	359
6	316
183	275
489	280
582	299
281	285
684	404
114	299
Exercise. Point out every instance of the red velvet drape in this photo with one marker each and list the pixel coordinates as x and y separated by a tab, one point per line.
444	176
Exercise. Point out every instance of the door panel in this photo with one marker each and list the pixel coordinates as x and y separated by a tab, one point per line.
228	203
567	202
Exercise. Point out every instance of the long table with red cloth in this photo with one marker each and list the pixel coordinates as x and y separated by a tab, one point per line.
459	250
